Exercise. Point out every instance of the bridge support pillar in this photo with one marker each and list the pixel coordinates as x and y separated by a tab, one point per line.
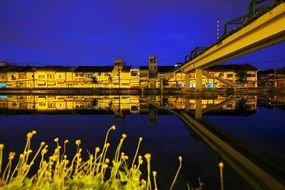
161	86
161	92
198	110
187	104
199	86
187	80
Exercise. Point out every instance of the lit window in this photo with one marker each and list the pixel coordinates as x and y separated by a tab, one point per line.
42	76
50	76
22	75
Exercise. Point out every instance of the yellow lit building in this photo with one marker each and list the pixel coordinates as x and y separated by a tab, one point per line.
242	75
219	76
121	76
52	77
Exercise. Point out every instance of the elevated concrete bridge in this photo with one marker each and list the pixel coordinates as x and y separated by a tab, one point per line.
266	30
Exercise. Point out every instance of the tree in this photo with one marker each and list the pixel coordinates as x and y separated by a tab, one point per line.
242	76
242	106
165	81
94	79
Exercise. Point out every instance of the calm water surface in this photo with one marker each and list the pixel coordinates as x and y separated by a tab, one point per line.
165	136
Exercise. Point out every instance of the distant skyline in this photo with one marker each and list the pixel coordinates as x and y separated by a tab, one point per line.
88	32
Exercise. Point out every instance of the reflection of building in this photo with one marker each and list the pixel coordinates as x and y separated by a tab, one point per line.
65	103
115	103
121	76
272	102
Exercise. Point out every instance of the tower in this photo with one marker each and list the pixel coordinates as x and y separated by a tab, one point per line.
152	66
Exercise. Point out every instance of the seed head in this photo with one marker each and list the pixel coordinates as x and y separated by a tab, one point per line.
29	135
44	151
147	156
12	155
124	136
113	127
78	142
21	156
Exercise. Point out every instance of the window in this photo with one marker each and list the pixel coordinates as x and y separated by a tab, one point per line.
79	75
22	105
134	73
42	76
143	74
42	104
13	77
22	75
229	105
230	75
50	76
51	105
250	75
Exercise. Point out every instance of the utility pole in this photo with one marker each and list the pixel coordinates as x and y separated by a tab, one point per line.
218	28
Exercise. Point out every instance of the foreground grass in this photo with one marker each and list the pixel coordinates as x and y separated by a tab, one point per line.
59	172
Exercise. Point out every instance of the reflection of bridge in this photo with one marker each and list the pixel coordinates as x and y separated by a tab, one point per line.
255	169
266	30
252	167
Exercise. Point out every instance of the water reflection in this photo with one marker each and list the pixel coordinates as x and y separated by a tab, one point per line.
126	103
166	134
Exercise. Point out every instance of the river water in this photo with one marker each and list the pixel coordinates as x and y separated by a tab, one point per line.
257	122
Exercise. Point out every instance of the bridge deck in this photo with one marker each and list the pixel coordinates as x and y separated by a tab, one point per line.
266	30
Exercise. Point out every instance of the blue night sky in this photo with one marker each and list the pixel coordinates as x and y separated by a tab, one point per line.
92	32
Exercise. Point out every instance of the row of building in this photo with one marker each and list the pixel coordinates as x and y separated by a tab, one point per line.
121	76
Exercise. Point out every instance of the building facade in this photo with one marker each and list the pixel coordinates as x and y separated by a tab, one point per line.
121	76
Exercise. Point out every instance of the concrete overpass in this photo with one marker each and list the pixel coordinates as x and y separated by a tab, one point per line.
266	30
